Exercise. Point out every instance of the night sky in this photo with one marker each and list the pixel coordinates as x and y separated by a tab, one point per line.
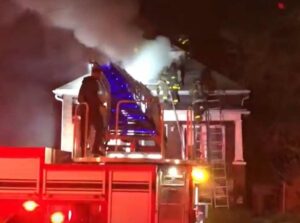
254	42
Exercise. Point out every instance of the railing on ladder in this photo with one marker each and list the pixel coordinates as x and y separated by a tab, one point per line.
159	129
79	148
189	134
180	133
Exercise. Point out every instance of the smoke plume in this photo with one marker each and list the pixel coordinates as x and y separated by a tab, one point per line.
46	43
149	60
107	25
34	59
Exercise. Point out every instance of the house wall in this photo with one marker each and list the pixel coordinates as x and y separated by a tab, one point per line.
235	173
173	142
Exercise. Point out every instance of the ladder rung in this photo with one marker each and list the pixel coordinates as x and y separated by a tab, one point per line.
220	178
217	164
220	197
222	206
217	161
216	151
221	200
219	172
216	141
220	183
221	187
218	168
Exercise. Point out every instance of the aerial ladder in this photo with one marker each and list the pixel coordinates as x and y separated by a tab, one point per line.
134	116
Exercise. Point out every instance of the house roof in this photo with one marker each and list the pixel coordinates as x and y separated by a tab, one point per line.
194	70
71	88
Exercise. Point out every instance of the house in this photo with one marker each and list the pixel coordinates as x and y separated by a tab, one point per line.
217	136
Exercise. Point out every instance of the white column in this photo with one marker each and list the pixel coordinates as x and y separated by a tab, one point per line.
238	145
67	124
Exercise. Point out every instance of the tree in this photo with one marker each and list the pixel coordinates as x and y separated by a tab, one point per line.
265	48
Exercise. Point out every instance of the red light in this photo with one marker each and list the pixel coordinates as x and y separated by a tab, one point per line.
30	205
57	217
280	5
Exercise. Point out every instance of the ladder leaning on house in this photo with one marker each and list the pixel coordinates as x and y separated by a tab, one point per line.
216	140
210	145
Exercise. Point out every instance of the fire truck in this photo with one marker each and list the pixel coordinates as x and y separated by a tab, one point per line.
133	183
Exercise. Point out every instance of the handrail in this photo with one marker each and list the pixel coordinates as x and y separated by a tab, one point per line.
117	121
76	120
183	157
189	133
117	117
86	119
107	87
162	133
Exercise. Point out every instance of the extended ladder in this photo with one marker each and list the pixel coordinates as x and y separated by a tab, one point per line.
209	144
216	156
200	153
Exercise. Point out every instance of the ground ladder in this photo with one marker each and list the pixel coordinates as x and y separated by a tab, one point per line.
209	145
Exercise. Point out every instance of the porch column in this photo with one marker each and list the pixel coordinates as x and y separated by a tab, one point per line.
238	137
67	124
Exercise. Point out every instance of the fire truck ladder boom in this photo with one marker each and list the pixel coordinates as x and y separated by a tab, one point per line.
134	116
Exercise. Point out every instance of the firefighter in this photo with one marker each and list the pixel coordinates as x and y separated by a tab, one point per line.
93	93
174	82
162	90
198	100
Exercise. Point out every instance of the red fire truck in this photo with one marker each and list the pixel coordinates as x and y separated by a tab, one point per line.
39	185
133	183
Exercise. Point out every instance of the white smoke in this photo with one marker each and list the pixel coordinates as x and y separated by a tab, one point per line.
107	25
150	60
102	24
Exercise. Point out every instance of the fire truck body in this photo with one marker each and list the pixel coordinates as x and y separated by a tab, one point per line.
133	183
112	190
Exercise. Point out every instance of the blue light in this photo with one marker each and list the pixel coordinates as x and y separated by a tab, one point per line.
120	90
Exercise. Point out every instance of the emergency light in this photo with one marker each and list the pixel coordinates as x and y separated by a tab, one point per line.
30	205
57	217
199	175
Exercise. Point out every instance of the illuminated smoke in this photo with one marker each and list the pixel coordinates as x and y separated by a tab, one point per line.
150	60
107	25
34	59
102	24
